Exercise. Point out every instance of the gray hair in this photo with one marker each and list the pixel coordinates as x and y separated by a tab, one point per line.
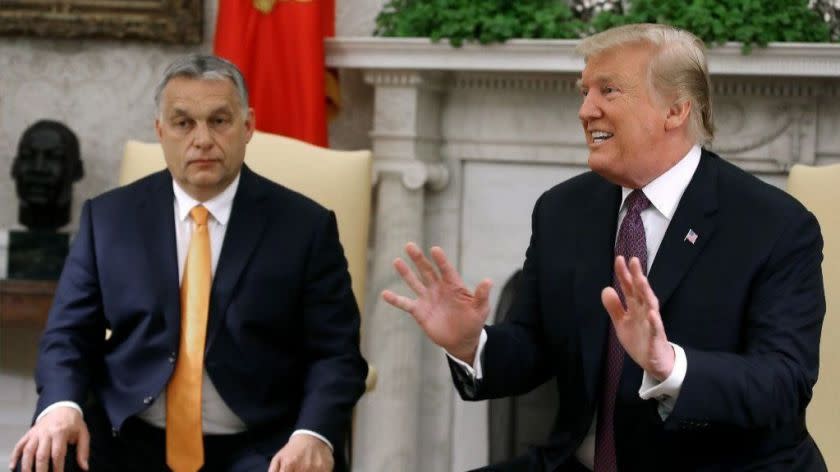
678	68
204	67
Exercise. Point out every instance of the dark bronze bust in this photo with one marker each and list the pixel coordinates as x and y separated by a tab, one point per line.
46	165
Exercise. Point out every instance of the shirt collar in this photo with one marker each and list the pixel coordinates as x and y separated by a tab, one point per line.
665	191
219	206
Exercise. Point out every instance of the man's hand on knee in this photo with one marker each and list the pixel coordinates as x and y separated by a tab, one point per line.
46	442
303	453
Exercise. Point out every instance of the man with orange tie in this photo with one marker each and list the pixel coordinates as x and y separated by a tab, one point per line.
234	331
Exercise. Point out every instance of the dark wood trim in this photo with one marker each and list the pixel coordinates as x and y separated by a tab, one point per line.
26	300
166	21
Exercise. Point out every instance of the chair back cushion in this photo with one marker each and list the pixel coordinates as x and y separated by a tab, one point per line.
818	188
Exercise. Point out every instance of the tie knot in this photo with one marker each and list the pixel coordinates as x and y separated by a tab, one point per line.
199	215
637	201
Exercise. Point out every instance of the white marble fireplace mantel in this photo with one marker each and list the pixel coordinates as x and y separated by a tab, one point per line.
465	140
558	55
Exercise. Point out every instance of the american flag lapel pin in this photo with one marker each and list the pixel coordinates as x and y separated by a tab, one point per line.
691	236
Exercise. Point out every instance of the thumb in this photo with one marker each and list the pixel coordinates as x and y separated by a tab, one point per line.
482	291
609	297
83	448
482	298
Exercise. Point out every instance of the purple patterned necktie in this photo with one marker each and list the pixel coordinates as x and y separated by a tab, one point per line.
630	243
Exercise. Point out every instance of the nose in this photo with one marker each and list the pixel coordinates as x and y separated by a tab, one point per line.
201	136
39	161
589	109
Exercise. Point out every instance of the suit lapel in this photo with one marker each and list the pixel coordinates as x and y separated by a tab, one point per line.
245	229
593	272
696	213
157	222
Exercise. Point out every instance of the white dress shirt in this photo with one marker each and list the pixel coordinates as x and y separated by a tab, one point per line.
664	194
216	415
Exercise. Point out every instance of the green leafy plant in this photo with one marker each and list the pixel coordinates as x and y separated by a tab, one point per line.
485	21
750	22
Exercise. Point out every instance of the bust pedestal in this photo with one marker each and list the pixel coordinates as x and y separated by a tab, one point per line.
33	255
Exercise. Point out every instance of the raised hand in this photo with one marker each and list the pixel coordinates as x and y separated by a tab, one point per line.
450	314
639	327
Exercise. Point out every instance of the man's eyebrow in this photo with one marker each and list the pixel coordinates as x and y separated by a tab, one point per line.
599	79
222	109
178	112
603	79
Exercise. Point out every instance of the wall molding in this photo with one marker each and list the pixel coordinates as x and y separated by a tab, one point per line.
558	55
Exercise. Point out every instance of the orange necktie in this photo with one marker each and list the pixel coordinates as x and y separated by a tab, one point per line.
184	440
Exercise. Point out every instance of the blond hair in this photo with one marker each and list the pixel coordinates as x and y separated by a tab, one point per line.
678	68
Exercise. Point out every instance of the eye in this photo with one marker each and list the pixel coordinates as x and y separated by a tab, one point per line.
584	92
608	89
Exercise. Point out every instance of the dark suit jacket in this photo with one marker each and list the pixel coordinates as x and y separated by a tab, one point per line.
745	301
282	342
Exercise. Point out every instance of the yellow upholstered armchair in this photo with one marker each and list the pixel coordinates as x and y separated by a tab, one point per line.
338	180
818	188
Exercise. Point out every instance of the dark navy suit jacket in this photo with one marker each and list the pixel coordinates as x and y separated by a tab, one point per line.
282	342
745	301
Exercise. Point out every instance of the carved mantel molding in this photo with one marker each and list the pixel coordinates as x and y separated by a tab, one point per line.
414	174
526	55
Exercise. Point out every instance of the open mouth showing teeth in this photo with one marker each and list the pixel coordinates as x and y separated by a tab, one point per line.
600	136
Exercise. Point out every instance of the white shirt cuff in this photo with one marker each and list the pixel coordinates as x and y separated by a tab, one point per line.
55	405
475	369
313	433
667	391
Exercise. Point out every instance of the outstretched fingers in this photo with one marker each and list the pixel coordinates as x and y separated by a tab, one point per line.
447	270
403	303
624	276
424	266
651	305
409	277
609	297
641	287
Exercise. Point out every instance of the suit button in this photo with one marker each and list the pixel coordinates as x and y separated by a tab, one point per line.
172	359
115	432
148	400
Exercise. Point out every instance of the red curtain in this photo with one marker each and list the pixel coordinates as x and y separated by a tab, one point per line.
279	47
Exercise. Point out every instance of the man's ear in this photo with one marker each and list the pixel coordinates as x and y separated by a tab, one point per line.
678	114
158	129
78	170
16	167
250	124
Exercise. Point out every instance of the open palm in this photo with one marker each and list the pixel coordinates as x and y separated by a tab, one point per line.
449	313
639	327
